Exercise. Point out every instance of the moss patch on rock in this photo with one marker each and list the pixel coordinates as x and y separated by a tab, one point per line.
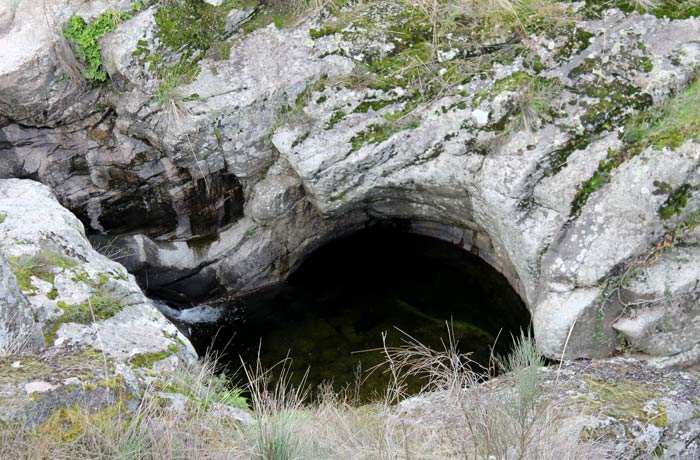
147	359
101	305
43	265
672	9
668	125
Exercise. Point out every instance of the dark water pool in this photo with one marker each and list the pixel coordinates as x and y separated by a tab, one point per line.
346	294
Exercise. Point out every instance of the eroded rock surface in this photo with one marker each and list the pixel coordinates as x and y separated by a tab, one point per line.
72	320
627	407
297	136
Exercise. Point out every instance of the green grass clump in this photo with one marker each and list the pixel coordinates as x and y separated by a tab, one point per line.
3	216
670	124
204	387
85	36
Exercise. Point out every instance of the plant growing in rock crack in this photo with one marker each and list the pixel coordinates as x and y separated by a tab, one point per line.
85	36
533	105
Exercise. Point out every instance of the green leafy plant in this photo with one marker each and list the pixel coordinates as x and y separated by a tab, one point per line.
85	36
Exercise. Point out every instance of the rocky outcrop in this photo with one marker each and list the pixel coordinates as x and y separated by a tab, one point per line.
19	331
625	408
227	181
78	295
76	328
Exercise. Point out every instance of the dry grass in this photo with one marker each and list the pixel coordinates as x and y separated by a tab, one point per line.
456	416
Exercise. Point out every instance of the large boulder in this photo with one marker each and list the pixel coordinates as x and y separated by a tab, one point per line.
611	408
78	295
76	328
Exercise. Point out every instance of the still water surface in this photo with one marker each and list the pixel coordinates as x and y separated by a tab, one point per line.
340	301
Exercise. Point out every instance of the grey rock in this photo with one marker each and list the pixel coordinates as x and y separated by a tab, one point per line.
38	229
19	331
231	182
34	90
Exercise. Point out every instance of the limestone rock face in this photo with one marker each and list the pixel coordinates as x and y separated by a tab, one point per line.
34	88
79	297
19	332
296	136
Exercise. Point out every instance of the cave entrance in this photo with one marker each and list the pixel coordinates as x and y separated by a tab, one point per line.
346	293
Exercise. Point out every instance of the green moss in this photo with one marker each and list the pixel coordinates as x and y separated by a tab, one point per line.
42	265
67	425
577	40
672	9
514	82
323	32
624	400
597	181
335	118
667	126
377	104
559	157
3	216
376	133
147	359
97	307
85	36
191	30
676	201
53	294
82	277
615	101
339	197
301	139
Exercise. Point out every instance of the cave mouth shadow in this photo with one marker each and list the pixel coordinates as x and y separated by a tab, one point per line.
341	299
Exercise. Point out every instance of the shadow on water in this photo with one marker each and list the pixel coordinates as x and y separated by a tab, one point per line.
347	293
